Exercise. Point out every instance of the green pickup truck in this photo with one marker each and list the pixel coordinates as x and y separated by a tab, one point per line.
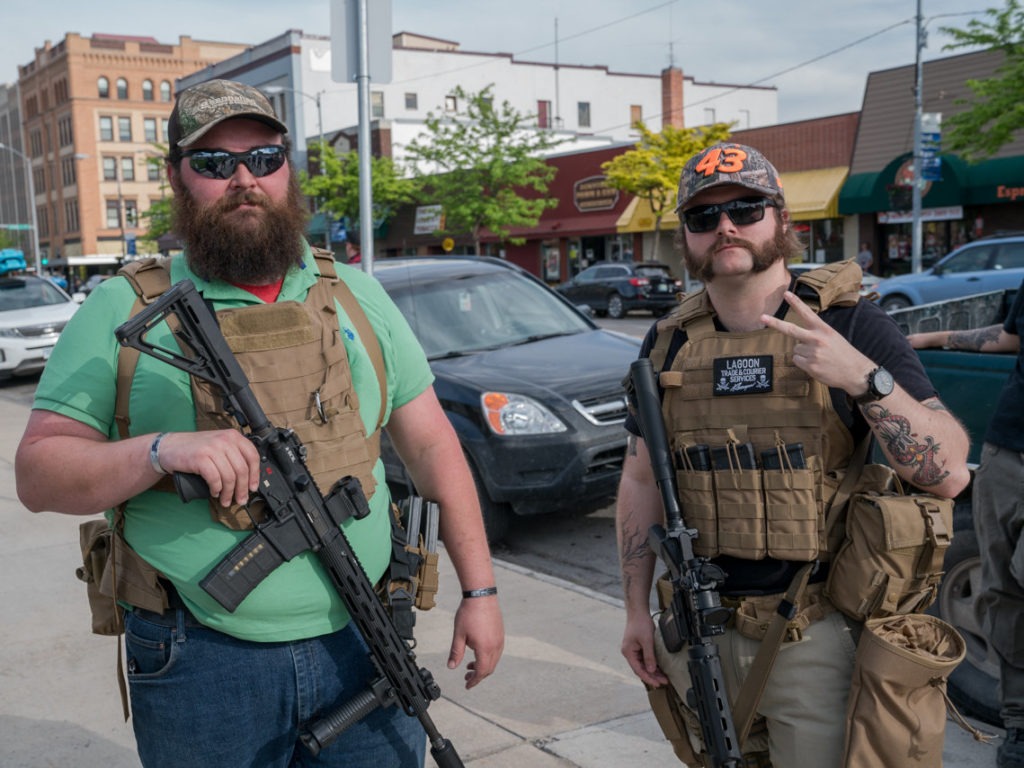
969	384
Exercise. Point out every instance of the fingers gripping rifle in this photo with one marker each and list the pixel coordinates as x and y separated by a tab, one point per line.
696	613
298	519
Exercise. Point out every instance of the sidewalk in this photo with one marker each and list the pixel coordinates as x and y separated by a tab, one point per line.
562	696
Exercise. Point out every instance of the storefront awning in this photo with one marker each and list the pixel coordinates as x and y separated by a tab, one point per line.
810	195
874	192
813	195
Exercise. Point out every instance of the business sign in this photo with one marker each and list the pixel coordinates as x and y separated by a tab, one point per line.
594	193
931	144
947	213
345	26
429	219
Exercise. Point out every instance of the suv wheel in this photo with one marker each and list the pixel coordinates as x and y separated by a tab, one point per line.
889	303
616	309
496	516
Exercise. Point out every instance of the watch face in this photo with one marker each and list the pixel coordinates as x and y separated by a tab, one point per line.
882	382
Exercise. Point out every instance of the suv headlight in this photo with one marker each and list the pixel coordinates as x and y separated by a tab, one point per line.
11	333
509	414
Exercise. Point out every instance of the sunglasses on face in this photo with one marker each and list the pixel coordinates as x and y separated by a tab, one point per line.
221	164
746	210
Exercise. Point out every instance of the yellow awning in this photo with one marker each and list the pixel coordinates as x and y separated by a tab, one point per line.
810	195
814	194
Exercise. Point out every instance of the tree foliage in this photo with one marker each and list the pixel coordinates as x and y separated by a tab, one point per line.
996	111
337	188
158	215
651	170
479	162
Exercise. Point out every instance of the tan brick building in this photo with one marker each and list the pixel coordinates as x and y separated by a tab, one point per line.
93	110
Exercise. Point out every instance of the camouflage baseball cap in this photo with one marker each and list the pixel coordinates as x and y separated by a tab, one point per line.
201	107
734	164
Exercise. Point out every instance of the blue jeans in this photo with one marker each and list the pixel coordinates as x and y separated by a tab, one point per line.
207	700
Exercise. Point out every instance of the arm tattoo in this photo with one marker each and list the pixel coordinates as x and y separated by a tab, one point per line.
904	447
973	341
633	549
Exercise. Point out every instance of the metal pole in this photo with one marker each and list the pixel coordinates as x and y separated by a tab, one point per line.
915	252
120	211
31	204
365	187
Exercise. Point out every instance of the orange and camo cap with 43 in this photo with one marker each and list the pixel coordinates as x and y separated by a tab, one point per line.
732	164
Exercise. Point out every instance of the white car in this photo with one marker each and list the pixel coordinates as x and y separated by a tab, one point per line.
33	312
867	286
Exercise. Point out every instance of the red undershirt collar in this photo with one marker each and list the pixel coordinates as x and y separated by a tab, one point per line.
268	293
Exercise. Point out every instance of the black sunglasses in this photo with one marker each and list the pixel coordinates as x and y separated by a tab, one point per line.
221	164
746	210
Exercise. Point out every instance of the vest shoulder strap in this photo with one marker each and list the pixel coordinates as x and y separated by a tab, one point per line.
836	284
692	306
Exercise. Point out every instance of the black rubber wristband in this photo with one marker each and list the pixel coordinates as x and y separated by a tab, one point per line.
482	592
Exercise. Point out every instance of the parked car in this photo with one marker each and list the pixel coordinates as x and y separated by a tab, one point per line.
990	264
91	283
868	284
531	385
617	287
33	312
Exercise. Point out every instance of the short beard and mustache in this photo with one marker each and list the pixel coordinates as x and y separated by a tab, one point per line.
784	245
242	248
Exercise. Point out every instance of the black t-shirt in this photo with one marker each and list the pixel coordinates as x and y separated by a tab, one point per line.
1007	426
872	332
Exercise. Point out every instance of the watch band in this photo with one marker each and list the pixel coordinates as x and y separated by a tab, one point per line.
154	454
482	592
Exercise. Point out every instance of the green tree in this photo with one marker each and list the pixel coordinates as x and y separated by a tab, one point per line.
158	215
996	111
651	170
337	188
7	240
479	162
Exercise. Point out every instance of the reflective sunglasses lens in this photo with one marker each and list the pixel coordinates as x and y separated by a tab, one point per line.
213	165
700	220
744	212
264	160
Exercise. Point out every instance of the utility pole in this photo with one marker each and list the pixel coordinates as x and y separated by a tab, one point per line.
365	182
30	182
915	247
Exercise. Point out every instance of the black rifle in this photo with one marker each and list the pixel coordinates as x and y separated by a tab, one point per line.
298	518
696	613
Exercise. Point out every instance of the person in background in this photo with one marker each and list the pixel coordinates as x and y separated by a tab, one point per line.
212	688
827	384
999	518
864	257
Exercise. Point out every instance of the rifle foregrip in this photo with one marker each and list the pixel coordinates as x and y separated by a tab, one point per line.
245	566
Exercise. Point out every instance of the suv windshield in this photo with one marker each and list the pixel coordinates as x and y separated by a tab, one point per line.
16	293
483	311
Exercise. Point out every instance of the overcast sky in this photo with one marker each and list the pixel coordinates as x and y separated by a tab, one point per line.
816	52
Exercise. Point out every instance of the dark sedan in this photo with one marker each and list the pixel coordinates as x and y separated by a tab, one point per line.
617	287
531	385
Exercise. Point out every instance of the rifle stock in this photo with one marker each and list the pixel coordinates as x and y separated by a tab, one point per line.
298	519
695	614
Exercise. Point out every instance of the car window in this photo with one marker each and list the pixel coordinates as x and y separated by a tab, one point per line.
588	275
22	294
968	260
651	270
484	311
1010	256
603	273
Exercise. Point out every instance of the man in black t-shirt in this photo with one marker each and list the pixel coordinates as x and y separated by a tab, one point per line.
999	518
736	237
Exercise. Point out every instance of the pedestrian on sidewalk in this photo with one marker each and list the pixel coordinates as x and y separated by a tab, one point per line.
746	368
999	518
213	688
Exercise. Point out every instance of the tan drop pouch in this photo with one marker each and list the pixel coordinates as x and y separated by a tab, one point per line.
896	717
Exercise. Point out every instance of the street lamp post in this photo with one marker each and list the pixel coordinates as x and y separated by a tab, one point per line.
915	226
31	202
320	154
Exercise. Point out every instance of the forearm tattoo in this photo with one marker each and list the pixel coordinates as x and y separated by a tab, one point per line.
973	341
633	548
904	446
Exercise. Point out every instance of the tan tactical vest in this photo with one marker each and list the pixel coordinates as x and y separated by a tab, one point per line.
295	360
733	391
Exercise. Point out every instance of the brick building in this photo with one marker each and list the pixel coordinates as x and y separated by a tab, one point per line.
94	111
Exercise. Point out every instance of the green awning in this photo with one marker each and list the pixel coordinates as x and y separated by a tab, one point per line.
1000	180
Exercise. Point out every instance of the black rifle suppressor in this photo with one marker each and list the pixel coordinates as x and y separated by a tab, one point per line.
298	518
696	613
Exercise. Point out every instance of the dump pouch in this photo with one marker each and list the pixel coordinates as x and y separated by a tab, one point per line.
896	717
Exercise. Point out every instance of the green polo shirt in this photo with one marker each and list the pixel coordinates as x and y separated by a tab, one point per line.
298	599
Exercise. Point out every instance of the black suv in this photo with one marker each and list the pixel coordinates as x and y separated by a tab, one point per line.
616	287
532	386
